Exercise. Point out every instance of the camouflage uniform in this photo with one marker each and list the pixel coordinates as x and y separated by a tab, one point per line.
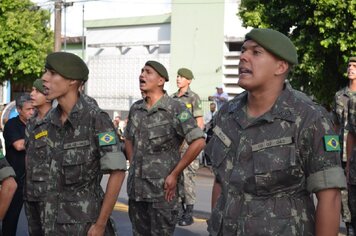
351	126
269	166
156	135
37	173
340	116
193	103
78	153
5	168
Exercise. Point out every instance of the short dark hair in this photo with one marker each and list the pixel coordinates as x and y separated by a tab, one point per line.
21	99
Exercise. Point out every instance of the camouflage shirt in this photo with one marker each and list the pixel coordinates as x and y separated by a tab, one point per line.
156	135
192	102
340	115
77	153
5	168
268	166
37	163
351	127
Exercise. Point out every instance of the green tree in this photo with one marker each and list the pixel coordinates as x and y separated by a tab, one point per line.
25	40
324	32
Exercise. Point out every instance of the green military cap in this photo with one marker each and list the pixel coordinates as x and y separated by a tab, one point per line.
274	42
159	68
186	73
352	59
38	84
67	65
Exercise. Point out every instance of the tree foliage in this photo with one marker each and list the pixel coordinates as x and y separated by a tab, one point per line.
324	32
25	40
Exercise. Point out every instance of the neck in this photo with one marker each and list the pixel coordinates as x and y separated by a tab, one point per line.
259	103
43	109
352	85
152	98
182	91
67	103
22	119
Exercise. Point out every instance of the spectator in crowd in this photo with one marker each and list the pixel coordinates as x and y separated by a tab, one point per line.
272	147
14	136
220	97
193	103
156	128
209	115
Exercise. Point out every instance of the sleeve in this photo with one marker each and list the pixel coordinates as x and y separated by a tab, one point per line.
128	133
111	156
320	150
11	133
5	169
198	110
334	111
351	124
187	126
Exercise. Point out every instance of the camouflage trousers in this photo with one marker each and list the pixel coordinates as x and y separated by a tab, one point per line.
345	211
189	173
35	218
39	225
153	218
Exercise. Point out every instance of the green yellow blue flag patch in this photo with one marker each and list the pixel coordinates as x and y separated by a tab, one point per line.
107	138
1	155
185	115
331	143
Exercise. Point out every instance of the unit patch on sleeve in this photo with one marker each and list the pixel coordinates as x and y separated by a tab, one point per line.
107	138
331	143
185	115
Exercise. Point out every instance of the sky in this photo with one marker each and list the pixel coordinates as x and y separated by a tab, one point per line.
72	16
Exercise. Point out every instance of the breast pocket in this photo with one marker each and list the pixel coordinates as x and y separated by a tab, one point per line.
38	162
77	162
159	137
276	169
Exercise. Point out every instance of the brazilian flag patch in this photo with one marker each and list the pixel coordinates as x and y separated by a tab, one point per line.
107	138
1	155
331	143
185	115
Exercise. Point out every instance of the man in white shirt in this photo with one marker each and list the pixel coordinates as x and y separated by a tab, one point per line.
220	97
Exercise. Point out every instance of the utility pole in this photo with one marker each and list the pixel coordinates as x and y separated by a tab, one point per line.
57	25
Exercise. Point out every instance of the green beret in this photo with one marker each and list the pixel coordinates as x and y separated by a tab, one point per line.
274	42
159	68
38	84
352	59
68	65
186	73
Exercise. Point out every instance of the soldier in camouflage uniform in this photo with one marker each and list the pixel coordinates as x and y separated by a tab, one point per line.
272	147
351	142
157	126
37	162
340	116
8	184
80	144
193	103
